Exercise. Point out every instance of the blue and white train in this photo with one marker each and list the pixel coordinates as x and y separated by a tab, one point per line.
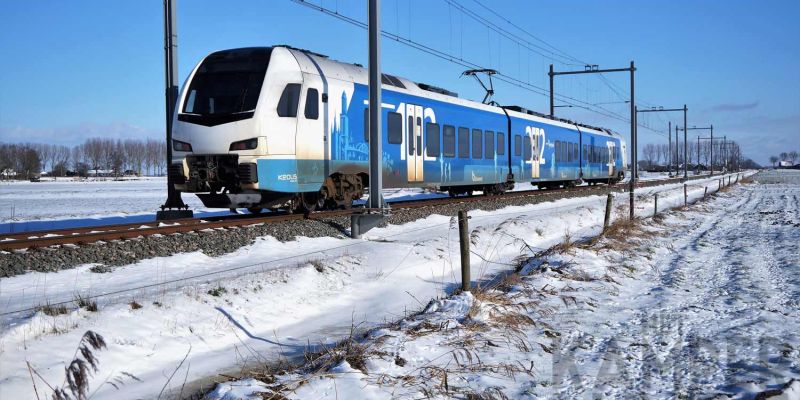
270	127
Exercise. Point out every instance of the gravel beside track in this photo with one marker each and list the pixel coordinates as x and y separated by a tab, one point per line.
216	242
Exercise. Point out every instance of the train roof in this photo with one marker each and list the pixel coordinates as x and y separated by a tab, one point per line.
312	62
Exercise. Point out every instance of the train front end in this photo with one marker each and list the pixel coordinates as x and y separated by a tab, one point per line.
219	131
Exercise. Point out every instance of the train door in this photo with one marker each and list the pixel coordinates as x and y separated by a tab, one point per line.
536	152
414	143
311	136
611	161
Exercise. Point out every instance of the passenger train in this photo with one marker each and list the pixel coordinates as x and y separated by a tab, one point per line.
273	127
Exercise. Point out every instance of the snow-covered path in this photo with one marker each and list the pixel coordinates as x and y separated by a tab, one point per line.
720	307
269	299
697	303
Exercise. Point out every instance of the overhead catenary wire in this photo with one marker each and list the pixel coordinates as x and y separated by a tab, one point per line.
472	65
564	54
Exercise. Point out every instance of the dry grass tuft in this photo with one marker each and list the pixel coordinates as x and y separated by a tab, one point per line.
88	304
217	291
349	350
135	305
53	310
78	371
566	244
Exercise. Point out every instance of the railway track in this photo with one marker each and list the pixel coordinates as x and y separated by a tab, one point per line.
106	233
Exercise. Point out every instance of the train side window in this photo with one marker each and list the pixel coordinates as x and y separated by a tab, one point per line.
526	147
557	147
432	140
477	143
585	154
488	144
575	152
419	138
410	136
287	104
366	124
312	104
395	125
449	141
501	143
517	145
463	142
568	151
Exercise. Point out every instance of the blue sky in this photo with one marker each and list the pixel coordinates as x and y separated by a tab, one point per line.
72	70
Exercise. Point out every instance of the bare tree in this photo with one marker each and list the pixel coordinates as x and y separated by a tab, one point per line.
30	163
774	160
649	151
793	156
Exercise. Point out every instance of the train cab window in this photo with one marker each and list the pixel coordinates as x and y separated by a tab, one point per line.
395	124
488	145
463	142
526	147
287	105
501	143
312	104
517	145
449	141
432	140
477	143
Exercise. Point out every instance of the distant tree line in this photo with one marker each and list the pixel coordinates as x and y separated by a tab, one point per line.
791	157
727	154
94	156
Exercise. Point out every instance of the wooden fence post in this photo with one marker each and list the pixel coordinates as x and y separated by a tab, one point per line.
463	239
685	196
705	192
655	205
607	219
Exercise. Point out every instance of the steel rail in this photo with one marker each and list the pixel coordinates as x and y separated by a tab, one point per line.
93	234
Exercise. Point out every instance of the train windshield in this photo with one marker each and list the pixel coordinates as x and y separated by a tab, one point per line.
227	83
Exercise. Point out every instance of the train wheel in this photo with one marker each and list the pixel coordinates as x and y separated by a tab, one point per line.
310	201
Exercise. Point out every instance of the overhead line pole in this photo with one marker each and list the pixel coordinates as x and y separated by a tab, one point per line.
669	148
694	128
376	209
685	149
593	69
174	207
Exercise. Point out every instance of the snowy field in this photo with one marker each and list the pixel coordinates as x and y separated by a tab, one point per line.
267	300
66	203
704	303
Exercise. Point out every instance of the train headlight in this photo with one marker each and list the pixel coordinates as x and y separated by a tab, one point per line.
177	145
248	144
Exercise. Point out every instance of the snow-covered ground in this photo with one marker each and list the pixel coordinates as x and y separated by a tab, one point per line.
266	300
703	303
68	202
